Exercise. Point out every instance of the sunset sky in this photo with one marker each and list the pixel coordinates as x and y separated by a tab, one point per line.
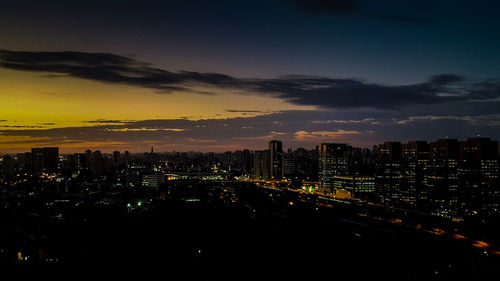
227	75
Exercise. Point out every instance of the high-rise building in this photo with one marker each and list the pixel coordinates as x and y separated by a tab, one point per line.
7	167
388	173
442	178
88	159
415	156
97	163
361	161
332	161
276	163
116	159
478	176
243	160
447	178
261	164
306	164
36	160
126	157
45	159
289	161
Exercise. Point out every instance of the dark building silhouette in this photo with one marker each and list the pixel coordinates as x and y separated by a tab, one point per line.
97	163
306	164
360	161
126	157
151	157
276	163
45	159
242	161
88	159
116	159
261	164
289	163
7	167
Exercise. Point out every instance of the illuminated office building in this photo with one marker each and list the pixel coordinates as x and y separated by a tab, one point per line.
332	161
388	173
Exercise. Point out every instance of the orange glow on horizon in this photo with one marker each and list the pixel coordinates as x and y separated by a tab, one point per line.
34	101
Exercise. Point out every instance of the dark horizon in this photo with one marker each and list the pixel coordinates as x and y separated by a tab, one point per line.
261	147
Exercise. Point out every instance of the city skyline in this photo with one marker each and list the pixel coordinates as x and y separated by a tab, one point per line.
261	146
263	139
444	177
222	76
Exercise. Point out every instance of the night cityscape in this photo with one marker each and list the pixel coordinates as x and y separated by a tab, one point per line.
250	140
444	192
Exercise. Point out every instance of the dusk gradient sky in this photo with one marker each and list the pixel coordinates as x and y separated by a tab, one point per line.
226	75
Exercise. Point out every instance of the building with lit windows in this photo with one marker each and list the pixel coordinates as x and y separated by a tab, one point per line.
332	161
478	176
442	178
415	161
389	173
261	164
354	186
152	181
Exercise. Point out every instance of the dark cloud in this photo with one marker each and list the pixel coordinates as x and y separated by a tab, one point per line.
444	79
301	90
107	121
22	126
105	67
351	93
486	90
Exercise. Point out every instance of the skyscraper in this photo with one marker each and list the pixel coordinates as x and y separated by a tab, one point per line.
116	159
261	164
276	163
442	177
415	161
7	167
478	176
388	179
97	163
333	161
